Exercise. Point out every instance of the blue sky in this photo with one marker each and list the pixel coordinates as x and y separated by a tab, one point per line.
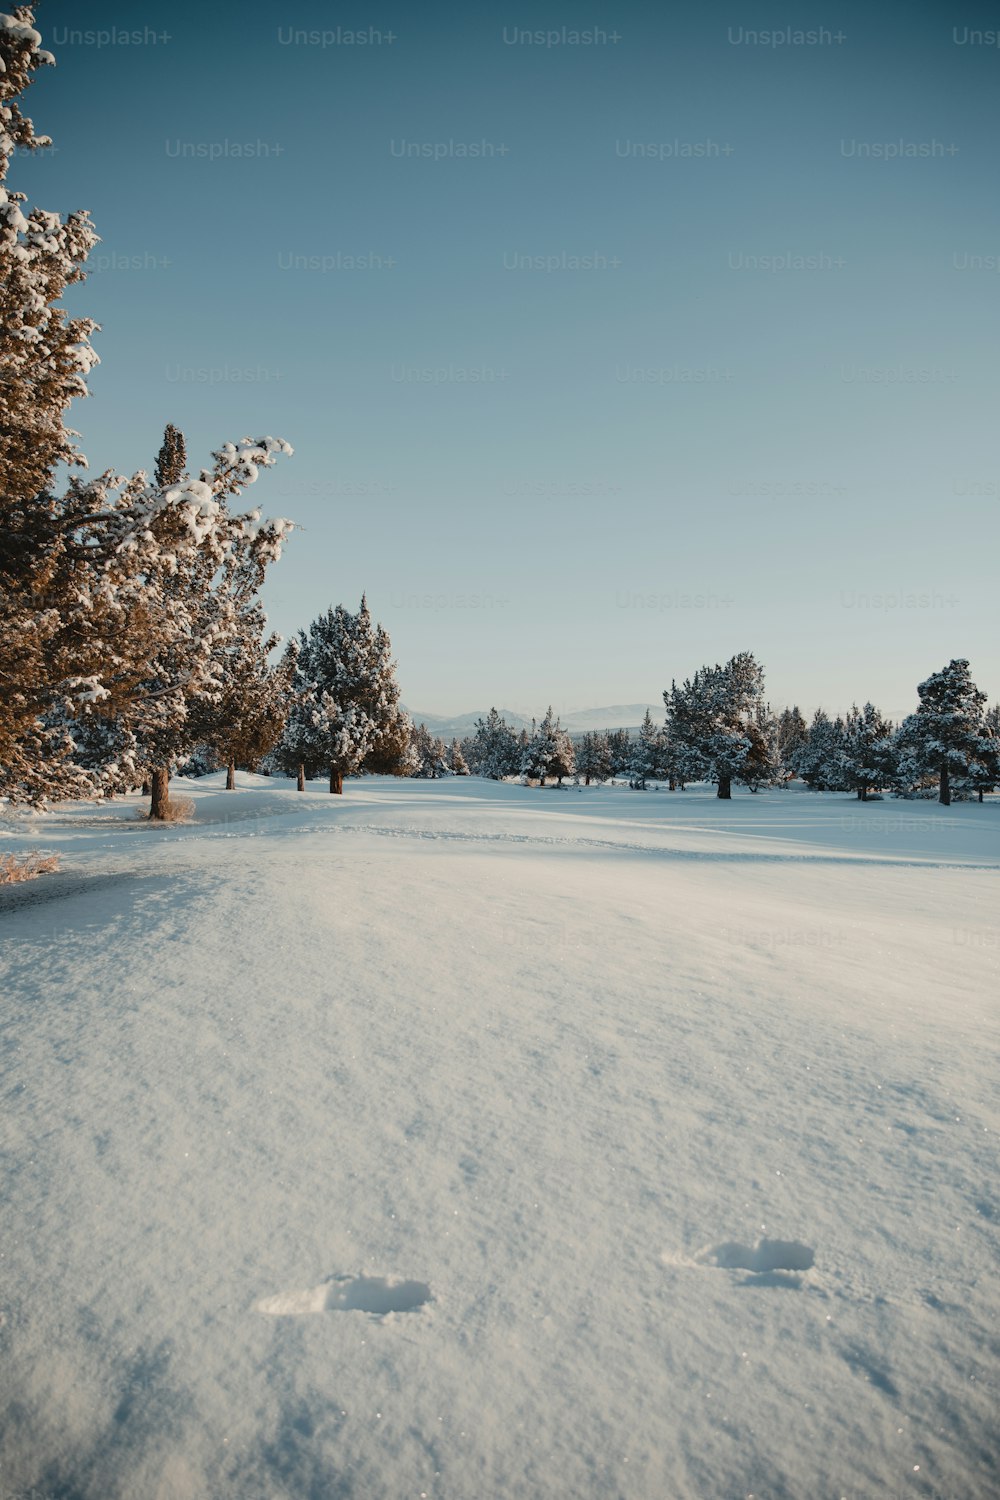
694	354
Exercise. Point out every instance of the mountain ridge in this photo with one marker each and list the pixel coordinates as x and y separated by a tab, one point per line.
577	721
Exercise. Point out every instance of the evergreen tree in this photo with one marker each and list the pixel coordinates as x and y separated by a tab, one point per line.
619	746
673	761
171	461
493	750
44	355
247	720
457	763
792	735
430	752
645	753
346	697
948	735
377	695
592	758
984	771
819	761
188	588
868	753
532	754
556	754
762	766
116	597
714	716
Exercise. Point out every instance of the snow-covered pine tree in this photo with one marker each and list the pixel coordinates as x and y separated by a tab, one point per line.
457	764
532	754
186	574
247	720
326	727
642	765
301	750
984	771
819	760
431	754
44	360
714	716
82	611
792	733
588	759
948	734
619	745
44	355
376	694
171	461
763	763
550	751
346	710
868	754
493	750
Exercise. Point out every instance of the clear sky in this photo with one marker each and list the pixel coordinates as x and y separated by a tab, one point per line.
601	358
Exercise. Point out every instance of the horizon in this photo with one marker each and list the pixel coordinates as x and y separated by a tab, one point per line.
601	360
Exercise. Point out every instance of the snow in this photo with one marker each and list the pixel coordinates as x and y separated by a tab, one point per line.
458	1139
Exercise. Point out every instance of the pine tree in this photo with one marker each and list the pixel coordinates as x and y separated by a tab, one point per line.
819	761
762	766
188	583
868	754
247	720
345	711
171	461
549	751
589	760
493	750
792	734
44	360
44	355
984	770
115	596
948	735
643	763
377	696
714	716
619	745
431	754
457	763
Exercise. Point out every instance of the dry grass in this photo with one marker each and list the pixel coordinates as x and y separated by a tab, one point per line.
17	867
179	810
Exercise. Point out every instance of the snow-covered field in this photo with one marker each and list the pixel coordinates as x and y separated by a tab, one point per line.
469	1141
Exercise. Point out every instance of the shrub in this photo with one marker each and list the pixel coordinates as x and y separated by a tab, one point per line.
17	867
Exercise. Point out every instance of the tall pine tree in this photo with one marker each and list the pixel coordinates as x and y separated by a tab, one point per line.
948	734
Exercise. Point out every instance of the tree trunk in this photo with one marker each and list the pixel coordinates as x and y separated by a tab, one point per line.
725	788
147	787
336	782
230	776
861	794
159	792
980	794
301	785
586	779
944	796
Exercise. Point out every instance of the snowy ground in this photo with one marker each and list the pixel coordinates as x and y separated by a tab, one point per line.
470	1141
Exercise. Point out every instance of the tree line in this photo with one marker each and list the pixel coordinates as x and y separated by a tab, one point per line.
719	728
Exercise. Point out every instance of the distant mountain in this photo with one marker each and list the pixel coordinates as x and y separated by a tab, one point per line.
617	716
579	721
464	724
